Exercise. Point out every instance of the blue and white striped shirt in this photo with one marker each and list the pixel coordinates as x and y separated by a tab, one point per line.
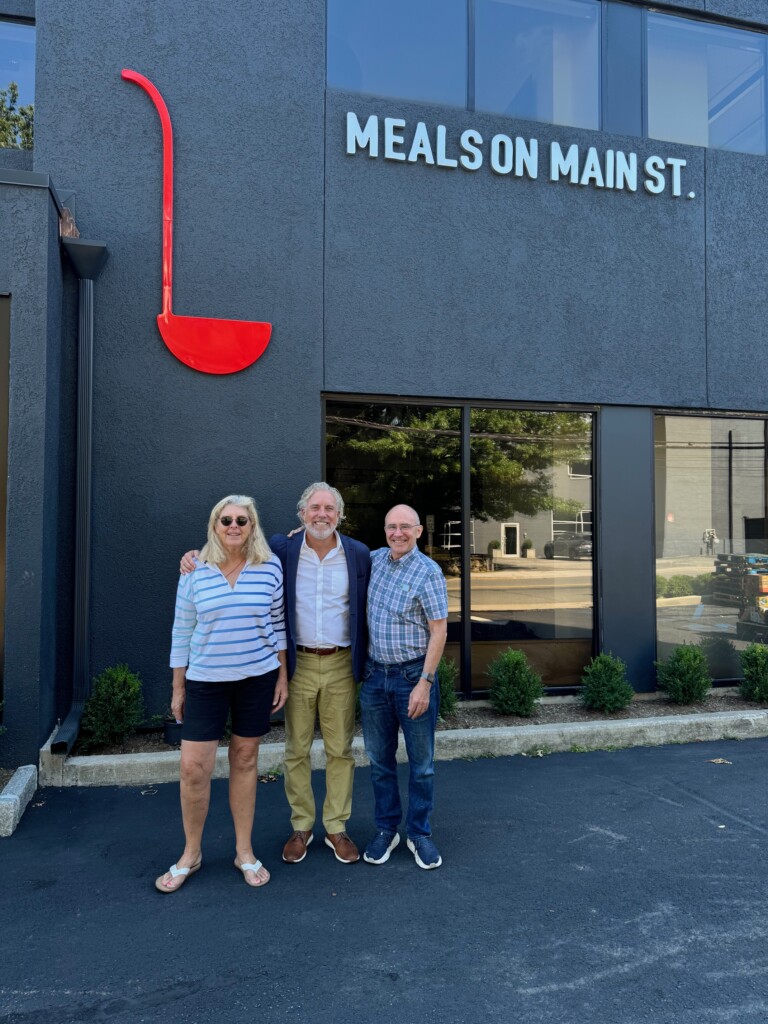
405	594
221	633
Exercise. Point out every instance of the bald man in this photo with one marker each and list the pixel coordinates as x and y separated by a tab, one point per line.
407	623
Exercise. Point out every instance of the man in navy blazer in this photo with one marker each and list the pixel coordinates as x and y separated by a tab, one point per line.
325	581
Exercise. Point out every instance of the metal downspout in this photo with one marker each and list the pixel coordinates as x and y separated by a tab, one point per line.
87	258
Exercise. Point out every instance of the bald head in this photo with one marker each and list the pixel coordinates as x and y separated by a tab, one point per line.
395	515
402	530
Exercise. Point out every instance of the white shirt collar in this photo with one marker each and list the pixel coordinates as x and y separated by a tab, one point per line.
333	551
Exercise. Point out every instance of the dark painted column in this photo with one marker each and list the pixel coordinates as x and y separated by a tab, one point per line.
626	588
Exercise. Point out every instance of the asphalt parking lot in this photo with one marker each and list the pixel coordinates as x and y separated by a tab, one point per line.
614	887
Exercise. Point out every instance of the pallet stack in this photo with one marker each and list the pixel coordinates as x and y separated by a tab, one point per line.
730	571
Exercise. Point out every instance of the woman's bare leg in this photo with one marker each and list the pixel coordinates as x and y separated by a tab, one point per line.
243	773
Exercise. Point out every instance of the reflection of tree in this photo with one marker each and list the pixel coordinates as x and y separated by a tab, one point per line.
16	123
512	455
381	454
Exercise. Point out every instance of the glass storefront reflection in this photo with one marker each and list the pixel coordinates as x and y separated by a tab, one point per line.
531	515
528	518
711	536
381	454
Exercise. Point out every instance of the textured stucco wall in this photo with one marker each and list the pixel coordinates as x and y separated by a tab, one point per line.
737	299
472	284
38	583
245	95
16	159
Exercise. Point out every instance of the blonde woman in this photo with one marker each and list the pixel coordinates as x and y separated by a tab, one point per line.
227	654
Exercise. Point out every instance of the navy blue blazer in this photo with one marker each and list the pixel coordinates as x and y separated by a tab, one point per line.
359	565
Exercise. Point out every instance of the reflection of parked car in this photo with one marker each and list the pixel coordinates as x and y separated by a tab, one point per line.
570	545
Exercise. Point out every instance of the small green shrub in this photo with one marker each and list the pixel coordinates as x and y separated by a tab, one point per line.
685	676
754	665
679	586
605	685
114	708
447	673
704	583
515	687
661	586
722	657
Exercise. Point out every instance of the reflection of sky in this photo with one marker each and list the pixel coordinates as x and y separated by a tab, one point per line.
17	59
416	49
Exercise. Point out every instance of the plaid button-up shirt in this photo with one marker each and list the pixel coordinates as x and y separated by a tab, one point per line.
403	596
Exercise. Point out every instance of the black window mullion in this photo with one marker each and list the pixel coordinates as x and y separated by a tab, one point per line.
470	54
466	561
622	66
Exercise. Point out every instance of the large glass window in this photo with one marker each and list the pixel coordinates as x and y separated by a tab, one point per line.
17	84
415	49
706	84
381	455
703	84
534	521
539	60
527	519
711	536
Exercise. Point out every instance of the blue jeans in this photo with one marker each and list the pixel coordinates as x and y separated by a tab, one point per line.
384	702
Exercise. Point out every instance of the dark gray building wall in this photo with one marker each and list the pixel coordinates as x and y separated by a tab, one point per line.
245	94
17	9
503	287
16	159
737	300
753	11
37	588
625	541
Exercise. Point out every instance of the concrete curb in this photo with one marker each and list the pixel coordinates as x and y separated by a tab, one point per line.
15	797
152	769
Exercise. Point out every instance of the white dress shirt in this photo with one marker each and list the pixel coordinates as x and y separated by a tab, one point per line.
322	598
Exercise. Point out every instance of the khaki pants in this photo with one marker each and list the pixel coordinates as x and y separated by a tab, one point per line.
322	686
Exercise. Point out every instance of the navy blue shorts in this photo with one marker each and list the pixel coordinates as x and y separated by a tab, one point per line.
207	705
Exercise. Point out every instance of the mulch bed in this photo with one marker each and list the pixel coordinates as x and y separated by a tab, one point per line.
5	776
472	716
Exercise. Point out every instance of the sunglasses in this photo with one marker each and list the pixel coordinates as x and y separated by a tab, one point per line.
228	520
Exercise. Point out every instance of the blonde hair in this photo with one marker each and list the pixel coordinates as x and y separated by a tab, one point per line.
255	549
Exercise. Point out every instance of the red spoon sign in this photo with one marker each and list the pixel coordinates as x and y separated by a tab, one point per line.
204	343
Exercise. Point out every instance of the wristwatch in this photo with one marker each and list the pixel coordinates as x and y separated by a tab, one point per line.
429	676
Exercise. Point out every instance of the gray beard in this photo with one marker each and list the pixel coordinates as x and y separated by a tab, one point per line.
319	532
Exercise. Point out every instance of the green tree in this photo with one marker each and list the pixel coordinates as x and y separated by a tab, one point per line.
384	453
16	123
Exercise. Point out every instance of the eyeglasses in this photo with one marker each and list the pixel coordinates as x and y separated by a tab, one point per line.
404	527
228	520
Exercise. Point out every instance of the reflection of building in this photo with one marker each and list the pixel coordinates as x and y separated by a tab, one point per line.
521	290
572	513
710	483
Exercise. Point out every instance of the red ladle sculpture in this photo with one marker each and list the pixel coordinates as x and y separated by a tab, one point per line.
204	343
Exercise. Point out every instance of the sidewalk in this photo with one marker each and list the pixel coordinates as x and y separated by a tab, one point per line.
452	744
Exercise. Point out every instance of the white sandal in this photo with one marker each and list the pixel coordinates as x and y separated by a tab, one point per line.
253	867
175	872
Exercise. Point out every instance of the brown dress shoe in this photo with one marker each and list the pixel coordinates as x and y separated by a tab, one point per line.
343	847
295	849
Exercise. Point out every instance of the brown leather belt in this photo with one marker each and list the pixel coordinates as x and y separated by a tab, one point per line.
319	650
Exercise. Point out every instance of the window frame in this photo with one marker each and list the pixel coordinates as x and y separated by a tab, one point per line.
466	406
623	41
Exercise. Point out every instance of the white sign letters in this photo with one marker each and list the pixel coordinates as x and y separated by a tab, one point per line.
391	138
